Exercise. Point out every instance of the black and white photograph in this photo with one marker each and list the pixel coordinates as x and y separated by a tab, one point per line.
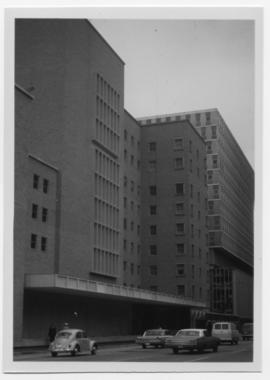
133	142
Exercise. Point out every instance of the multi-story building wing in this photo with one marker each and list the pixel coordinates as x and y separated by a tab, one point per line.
174	201
131	202
230	181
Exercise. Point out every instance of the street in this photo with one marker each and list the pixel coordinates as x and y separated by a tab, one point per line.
242	352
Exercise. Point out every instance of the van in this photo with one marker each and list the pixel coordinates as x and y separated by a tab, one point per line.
226	332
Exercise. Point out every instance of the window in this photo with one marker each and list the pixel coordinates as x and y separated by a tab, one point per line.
190	146
132	268
181	290
152	164
125	181
132	205
44	214
168	118
180	227
187	117
132	160
208	146
210	175
34	211
138	269
132	140
138	164
203	132
198	118
180	248
178	143
178	163
193	291
198	172
124	265
125	223
153	210
216	191
152	146
153	249
200	272
199	196
125	244
179	188
214	131
35	181
153	270
199	215
153	190
190	166
192	250
179	208
208	117
125	155
33	240
200	292
191	210
192	230
191	191
43	243
180	269
192	271
125	202
215	161
138	230
197	154
45	186
138	190
131	226
131	186
125	135
153	230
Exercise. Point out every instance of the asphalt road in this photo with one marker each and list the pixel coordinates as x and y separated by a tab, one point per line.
134	353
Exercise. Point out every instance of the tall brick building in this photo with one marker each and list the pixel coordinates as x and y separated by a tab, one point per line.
78	198
230	187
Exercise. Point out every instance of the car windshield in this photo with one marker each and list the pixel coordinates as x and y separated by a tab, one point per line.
63	334
154	332
189	333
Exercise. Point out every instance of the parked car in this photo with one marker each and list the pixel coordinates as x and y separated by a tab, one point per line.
192	339
72	341
247	331
226	332
155	337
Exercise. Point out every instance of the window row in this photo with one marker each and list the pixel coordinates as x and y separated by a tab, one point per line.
37	182
132	186
180	249
106	167
106	238
106	214
212	135
179	270
131	247
107	92
132	140
107	115
132	159
105	262
132	266
107	137
132	226
35	212
35	241
106	190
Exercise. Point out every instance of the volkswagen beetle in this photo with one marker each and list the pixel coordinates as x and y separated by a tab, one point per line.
72	341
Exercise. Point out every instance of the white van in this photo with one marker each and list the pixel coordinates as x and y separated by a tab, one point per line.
226	332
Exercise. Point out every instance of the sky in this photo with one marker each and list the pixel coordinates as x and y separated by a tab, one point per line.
184	65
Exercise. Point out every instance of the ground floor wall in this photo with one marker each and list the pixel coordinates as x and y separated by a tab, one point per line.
100	317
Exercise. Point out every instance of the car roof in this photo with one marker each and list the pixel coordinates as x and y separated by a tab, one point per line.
71	330
192	330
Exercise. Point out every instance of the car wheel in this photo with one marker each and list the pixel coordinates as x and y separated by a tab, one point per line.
215	349
231	342
200	350
143	345
54	354
175	350
94	350
76	349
